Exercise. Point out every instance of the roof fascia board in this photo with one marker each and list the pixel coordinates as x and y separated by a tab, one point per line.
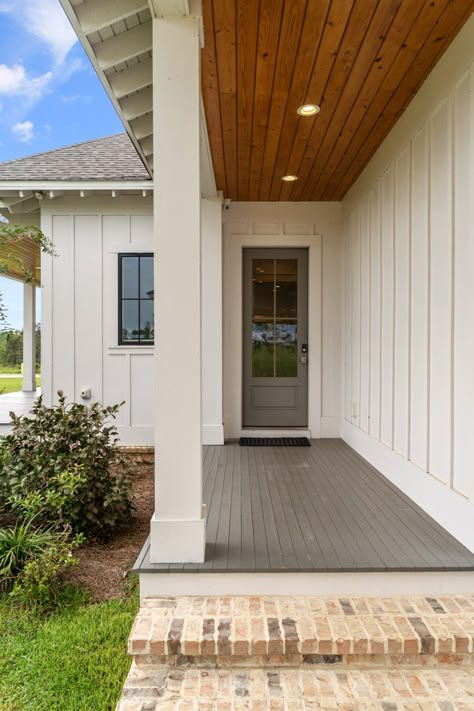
71	15
91	185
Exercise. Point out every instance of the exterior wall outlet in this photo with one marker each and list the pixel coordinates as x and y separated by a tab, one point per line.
86	393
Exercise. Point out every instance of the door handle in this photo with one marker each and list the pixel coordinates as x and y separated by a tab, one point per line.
304	353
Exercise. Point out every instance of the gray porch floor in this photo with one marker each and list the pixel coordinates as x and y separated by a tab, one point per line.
20	403
316	509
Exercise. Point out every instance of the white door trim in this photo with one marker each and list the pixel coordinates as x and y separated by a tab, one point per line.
234	245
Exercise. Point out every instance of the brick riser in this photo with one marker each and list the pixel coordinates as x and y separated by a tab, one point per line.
356	661
220	631
289	653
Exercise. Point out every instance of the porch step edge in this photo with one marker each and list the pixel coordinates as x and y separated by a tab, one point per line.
299	629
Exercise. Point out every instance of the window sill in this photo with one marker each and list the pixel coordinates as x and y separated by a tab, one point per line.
134	348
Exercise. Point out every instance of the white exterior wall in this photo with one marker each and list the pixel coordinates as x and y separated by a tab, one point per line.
271	224
409	298
80	308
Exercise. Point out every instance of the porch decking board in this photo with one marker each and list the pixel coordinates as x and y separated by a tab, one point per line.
421	522
318	509
20	403
374	507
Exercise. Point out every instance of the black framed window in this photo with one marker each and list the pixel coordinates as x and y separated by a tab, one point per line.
136	299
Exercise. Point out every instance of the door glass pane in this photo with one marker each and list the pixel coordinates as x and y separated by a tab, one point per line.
263	282
286	322
130	277
129	320
262	349
263	279
146	321
146	278
286	288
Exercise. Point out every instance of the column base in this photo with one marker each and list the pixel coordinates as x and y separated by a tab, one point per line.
28	386
212	434
178	541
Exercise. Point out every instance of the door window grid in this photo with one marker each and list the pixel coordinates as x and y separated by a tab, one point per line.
274	318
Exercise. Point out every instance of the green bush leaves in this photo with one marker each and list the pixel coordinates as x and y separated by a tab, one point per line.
62	466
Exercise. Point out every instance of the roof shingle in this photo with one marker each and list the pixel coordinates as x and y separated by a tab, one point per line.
110	158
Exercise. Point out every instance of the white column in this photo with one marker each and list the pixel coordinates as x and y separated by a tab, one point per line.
178	525
29	337
211	250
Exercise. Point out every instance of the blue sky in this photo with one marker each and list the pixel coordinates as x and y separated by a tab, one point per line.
50	95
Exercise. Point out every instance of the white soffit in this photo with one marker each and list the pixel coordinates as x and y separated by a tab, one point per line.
117	37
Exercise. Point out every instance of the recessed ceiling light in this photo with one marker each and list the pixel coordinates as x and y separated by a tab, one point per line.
308	110
289	178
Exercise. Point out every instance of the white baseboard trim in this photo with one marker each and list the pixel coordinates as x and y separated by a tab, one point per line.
213	434
450	509
251	432
145	436
367	584
136	436
330	427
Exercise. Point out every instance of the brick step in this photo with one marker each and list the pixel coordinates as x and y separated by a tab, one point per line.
296	630
302	689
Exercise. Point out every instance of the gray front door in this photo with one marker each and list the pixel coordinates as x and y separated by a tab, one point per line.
275	338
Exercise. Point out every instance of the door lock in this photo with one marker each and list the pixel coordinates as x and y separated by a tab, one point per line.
304	353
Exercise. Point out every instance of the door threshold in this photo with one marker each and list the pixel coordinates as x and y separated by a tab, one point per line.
274	432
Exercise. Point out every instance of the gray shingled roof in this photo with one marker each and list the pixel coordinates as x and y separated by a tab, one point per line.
110	158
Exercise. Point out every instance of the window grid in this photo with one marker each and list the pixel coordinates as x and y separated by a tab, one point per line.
139	299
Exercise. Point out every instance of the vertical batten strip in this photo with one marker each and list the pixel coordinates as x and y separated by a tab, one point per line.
441	287
386	432
463	333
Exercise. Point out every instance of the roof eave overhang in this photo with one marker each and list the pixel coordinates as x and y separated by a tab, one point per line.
71	185
124	100
71	15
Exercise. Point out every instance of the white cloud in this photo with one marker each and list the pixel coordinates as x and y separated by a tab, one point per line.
46	20
14	81
24	131
76	98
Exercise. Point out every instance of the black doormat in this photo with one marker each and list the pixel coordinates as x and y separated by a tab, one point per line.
274	442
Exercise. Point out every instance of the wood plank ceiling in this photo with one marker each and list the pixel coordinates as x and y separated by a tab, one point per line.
361	61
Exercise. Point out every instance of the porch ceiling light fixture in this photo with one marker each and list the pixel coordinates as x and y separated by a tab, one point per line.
289	178
308	110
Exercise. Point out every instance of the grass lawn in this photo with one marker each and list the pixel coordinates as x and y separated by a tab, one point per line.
74	660
13	385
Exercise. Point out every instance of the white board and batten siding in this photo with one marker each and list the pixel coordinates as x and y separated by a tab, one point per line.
409	298
80	308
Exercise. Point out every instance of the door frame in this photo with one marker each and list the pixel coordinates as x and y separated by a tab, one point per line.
234	244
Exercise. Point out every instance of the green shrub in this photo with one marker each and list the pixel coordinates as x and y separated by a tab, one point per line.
40	582
62	466
17	546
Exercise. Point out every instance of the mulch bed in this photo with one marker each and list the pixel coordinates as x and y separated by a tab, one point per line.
103	568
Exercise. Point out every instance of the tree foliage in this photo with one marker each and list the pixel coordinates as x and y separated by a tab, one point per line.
11	348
